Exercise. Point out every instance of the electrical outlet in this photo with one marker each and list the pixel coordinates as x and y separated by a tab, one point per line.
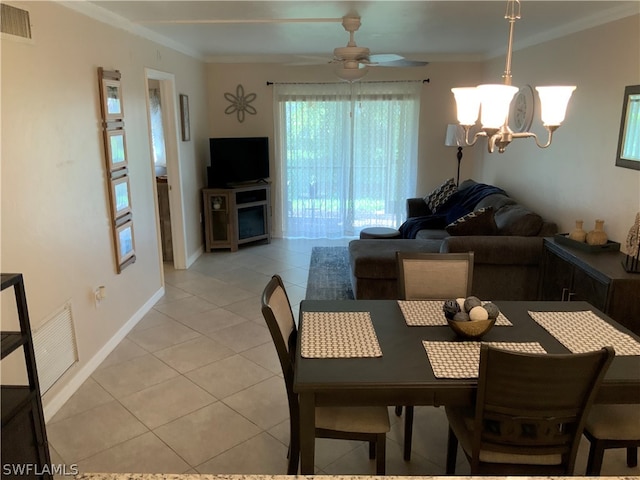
100	293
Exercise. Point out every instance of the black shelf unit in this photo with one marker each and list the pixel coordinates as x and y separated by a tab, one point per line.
24	436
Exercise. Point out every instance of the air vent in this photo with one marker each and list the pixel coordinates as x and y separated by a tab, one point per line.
55	347
15	21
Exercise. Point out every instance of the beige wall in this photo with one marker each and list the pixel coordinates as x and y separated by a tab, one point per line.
55	212
576	177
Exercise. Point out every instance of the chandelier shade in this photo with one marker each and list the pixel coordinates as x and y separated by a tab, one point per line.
468	103
553	104
494	104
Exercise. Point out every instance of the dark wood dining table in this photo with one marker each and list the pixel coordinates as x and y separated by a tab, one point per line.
403	374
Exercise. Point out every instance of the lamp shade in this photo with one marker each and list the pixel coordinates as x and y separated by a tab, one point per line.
468	104
454	136
553	103
495	101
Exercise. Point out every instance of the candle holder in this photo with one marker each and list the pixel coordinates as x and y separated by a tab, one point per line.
631	262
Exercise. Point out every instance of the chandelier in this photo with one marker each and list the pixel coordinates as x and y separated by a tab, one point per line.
493	102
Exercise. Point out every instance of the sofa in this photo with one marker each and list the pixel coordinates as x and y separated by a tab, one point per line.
504	235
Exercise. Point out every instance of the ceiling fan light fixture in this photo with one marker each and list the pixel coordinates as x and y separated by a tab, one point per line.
354	60
351	74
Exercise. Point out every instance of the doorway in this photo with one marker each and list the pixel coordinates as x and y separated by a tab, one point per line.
165	163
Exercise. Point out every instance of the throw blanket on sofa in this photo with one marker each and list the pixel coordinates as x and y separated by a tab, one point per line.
458	205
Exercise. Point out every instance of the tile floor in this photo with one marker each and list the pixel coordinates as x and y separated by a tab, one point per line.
196	386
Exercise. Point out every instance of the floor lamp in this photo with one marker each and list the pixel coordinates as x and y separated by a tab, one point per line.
455	138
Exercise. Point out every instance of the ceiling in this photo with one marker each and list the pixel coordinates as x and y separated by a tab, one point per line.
308	31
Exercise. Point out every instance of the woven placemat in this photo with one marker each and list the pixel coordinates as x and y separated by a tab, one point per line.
338	335
585	332
461	359
428	313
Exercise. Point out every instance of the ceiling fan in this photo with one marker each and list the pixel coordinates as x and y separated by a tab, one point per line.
354	61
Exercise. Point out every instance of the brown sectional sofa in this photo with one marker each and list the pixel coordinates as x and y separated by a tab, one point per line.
506	263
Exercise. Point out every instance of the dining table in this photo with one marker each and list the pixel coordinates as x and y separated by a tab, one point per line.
396	352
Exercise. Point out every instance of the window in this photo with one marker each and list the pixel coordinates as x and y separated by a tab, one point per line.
347	155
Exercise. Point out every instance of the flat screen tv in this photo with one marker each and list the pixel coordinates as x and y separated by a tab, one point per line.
236	161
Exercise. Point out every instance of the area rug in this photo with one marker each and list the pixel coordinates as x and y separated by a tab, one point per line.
329	274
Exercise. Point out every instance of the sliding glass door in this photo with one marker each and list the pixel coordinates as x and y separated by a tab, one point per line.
347	156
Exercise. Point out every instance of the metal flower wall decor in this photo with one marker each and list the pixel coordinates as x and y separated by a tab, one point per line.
240	103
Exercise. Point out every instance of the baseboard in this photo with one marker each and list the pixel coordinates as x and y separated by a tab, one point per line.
53	404
191	260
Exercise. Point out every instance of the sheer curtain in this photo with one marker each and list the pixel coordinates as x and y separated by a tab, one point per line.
346	156
157	130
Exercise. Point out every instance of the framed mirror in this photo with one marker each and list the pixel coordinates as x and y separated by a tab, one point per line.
628	154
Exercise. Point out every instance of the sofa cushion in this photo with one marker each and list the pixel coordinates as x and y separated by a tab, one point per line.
496	200
517	220
479	222
376	258
431	234
440	195
466	184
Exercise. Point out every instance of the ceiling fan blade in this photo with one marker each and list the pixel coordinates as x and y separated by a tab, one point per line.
403	62
384	57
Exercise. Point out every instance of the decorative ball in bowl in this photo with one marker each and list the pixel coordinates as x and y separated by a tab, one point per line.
470	317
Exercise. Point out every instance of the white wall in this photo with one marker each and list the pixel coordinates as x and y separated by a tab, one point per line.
55	212
576	177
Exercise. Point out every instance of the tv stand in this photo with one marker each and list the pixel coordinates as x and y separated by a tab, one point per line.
236	215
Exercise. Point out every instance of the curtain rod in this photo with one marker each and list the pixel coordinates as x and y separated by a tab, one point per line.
426	80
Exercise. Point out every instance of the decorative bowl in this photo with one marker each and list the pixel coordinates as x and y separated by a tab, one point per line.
471	329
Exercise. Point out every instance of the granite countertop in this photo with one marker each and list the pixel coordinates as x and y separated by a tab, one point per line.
191	476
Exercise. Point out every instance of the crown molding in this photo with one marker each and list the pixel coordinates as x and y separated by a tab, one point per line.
601	18
105	16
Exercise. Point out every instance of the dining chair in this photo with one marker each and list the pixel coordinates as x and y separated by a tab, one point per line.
612	426
434	276
529	414
369	424
430	276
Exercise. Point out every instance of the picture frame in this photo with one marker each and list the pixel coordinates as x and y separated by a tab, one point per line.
116	148
184	118
112	102
125	244
628	152
120	196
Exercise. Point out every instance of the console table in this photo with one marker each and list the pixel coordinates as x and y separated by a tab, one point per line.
234	216
598	278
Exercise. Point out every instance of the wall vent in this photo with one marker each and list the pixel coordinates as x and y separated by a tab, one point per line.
14	21
55	347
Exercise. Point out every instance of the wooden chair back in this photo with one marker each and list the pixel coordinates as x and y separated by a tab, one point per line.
434	276
533	407
276	310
